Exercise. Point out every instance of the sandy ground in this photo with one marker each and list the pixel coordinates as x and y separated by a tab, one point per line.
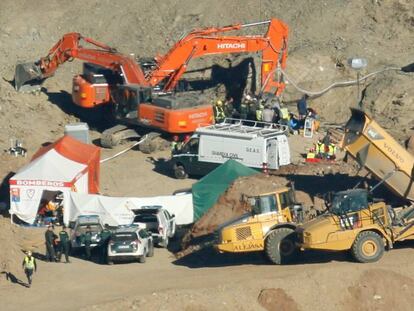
323	282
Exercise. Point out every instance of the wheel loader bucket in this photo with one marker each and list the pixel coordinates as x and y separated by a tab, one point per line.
26	72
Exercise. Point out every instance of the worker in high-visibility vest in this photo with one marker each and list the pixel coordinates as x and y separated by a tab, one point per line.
29	265
244	110
259	112
219	114
175	144
331	151
311	155
320	149
284	116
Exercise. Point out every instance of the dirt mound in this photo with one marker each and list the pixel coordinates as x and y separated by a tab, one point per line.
379	290
230	206
276	299
13	241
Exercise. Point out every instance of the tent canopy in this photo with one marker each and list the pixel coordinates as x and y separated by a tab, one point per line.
79	152
208	189
52	166
118	210
63	166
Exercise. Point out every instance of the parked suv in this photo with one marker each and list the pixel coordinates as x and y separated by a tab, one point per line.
158	221
79	228
128	243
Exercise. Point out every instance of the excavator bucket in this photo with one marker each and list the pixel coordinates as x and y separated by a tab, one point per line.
26	72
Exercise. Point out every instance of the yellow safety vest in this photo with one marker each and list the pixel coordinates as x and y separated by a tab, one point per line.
331	151
219	112
310	155
259	113
320	148
29	262
284	113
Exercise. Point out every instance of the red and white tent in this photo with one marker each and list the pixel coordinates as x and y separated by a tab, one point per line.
66	165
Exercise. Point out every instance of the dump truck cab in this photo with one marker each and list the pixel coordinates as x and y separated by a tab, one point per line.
357	223
349	213
354	221
269	227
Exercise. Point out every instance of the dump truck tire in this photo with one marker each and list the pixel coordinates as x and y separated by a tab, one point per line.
368	247
179	172
280	246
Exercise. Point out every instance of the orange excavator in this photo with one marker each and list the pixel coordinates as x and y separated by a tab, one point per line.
117	79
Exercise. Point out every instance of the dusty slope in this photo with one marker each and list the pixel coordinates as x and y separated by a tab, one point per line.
326	282
13	242
323	34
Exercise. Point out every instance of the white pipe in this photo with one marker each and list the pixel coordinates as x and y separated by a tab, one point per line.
125	150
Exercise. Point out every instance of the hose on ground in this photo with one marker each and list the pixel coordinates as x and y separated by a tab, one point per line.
125	150
335	84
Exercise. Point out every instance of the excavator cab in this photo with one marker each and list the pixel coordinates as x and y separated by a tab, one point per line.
127	101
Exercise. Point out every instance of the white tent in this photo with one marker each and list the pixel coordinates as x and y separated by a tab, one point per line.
118	211
51	171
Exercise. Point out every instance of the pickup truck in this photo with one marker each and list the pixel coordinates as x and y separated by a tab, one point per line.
158	221
79	228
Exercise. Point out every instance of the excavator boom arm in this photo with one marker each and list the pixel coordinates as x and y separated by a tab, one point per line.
198	43
69	47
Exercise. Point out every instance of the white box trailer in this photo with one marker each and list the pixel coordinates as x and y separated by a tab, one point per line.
252	143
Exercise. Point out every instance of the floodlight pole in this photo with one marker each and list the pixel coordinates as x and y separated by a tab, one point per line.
358	64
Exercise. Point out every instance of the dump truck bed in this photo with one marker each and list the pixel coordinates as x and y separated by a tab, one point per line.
379	153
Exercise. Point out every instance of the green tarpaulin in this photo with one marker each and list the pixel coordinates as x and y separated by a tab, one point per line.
208	189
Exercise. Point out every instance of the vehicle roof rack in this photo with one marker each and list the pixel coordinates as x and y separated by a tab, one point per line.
244	128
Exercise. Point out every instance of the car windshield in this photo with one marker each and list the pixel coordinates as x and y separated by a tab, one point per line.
347	202
93	227
124	236
145	218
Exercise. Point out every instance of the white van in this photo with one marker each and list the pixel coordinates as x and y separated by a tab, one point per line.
252	143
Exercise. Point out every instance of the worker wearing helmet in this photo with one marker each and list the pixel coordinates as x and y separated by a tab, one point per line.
219	114
244	110
229	110
259	111
29	265
175	144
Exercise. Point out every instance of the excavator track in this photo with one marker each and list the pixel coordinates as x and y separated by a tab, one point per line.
115	135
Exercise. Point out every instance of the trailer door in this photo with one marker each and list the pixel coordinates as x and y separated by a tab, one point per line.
284	150
272	154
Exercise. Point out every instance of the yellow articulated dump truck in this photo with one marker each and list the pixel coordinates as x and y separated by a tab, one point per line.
354	220
269	227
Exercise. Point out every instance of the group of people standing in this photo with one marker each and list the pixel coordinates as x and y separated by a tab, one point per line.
269	110
56	245
59	244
